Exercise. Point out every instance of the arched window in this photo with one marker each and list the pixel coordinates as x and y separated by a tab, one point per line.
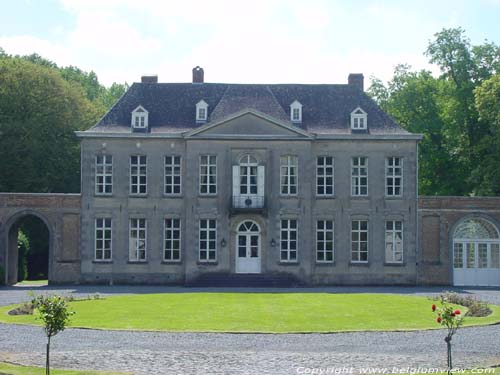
475	229
248	226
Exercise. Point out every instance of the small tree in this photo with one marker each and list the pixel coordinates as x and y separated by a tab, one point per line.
54	312
451	319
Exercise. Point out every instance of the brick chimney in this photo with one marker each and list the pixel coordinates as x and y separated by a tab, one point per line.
356	80
198	75
149	79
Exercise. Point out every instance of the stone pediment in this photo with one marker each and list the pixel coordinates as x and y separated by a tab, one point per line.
248	123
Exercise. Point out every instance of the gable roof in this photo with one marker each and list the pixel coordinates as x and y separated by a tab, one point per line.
172	106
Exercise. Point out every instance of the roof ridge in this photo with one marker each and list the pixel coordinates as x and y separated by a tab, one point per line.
276	100
218	103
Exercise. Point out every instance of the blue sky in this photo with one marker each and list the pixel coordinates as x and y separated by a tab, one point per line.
307	41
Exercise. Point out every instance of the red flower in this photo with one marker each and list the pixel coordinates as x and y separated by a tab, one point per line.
457	312
438	319
433	307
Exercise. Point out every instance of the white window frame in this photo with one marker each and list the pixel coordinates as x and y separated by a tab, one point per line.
392	176
324	241
356	245
391	241
289	163
101	228
169	173
359	121
201	111
142	171
136	227
205	226
172	225
210	165
140	118
286	242
321	172
296	108
359	180
103	174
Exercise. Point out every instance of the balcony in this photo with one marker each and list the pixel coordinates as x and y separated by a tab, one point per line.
248	203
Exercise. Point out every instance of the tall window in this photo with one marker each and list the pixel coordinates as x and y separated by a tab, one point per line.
394	177
324	241
103	240
359	241
172	240
172	174
104	174
393	241
208	240
137	240
359	176
288	173
208	174
288	239
138	174
324	176
248	175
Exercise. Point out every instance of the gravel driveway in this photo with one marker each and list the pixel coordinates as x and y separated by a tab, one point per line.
197	353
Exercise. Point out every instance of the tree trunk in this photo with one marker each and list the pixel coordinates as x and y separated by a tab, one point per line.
448	346
47	361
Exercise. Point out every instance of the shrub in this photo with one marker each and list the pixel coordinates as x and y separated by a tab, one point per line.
475	306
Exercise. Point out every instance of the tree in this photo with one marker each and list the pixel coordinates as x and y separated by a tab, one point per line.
55	315
39	112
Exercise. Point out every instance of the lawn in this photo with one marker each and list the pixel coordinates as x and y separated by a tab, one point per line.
32	283
255	312
7	368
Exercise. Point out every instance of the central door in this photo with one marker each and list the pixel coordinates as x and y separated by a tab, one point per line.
248	247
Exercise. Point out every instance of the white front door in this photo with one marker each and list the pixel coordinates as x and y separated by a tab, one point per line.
476	263
248	248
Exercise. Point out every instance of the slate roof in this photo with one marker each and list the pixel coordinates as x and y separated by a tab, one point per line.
172	106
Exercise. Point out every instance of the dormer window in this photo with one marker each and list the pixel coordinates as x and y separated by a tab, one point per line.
201	111
296	112
359	119
140	118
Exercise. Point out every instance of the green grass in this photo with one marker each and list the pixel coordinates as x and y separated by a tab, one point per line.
255	312
7	368
32	282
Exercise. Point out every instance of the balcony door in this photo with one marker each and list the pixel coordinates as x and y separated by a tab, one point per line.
248	252
248	183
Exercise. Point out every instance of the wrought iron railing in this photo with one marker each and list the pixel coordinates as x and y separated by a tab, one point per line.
248	201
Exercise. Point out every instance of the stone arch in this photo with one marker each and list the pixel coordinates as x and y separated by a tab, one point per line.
10	242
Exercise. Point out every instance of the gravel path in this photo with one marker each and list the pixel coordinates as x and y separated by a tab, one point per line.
196	353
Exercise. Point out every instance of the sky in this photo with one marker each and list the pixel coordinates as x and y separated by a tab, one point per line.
258	41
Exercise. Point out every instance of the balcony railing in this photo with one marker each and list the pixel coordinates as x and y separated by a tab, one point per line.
248	202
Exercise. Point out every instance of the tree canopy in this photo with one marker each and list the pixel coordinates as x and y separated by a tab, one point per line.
454	112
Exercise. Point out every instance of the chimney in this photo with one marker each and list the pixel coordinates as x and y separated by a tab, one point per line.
197	75
149	79
356	80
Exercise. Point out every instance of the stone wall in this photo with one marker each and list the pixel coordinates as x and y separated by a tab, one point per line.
438	218
61	215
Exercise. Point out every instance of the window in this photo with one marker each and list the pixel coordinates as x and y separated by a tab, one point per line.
208	174
201	111
140	118
324	176
137	240
288	173
358	119
394	177
394	241
359	176
208	240
458	255
173	174
324	241
172	240
359	241
138	174
288	240
296	112
248	175
103	240
103	174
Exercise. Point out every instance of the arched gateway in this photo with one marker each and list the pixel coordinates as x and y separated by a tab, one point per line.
476	253
61	215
